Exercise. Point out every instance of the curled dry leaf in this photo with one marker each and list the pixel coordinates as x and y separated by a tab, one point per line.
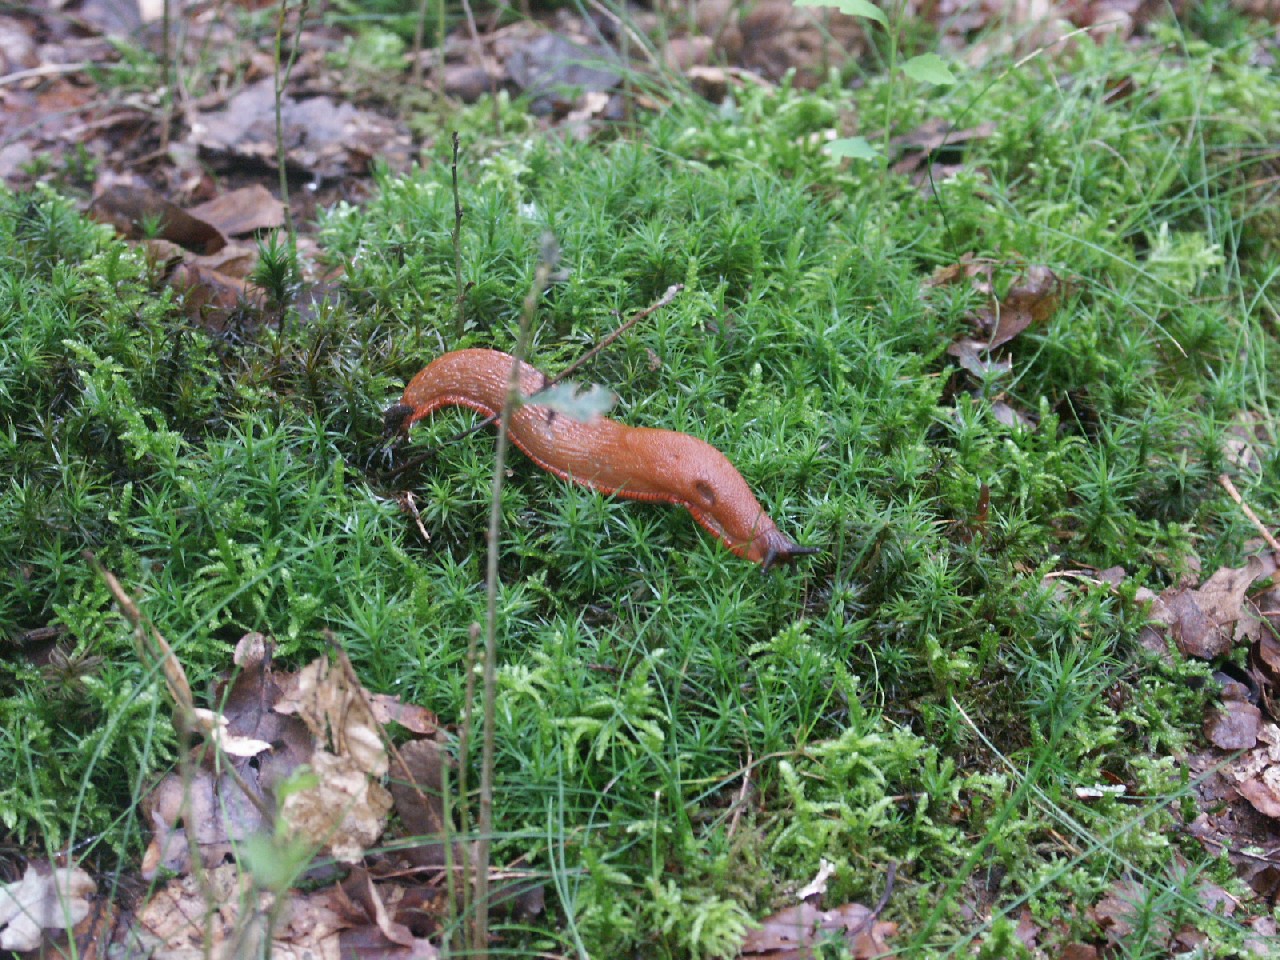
46	898
337	712
1118	911
324	138
1031	300
140	213
221	914
1210	620
204	812
1256	774
344	811
417	786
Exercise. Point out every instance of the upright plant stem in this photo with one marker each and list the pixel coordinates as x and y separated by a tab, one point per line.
419	30
283	69
546	262
167	74
460	292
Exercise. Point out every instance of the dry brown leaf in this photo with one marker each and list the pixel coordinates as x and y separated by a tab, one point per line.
324	138
243	211
46	898
1267	931
415	719
790	934
417	786
1032	299
1116	912
1256	774
140	213
934	150
337	712
1209	621
1233	725
214	807
345	811
221	915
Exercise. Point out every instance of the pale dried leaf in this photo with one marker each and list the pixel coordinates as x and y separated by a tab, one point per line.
793	931
243	211
46	898
337	713
818	885
214	727
345	811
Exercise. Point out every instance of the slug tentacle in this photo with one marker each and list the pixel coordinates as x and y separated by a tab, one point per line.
640	463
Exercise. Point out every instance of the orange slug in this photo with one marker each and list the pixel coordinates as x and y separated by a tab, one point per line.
636	462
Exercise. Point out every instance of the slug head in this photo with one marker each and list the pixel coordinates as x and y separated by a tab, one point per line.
397	419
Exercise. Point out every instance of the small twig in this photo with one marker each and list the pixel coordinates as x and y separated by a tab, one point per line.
889	877
479	45
742	798
145	631
281	81
419	30
460	292
671	293
625	26
1248	511
167	72
151	645
45	70
547	258
411	505
464	756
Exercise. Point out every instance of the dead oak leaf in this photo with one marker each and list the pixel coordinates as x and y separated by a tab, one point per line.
1118	911
337	711
244	211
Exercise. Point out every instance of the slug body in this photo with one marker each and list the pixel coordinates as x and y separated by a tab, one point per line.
635	462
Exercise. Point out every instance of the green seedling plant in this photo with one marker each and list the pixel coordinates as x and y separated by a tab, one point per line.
927	68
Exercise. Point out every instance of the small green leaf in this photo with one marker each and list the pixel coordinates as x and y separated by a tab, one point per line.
856	147
575	401
929	68
854	8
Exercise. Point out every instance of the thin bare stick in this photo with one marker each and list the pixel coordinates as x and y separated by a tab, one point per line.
464	759
151	646
1248	511
479	45
460	292
547	258
281	81
890	876
419	29
671	293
